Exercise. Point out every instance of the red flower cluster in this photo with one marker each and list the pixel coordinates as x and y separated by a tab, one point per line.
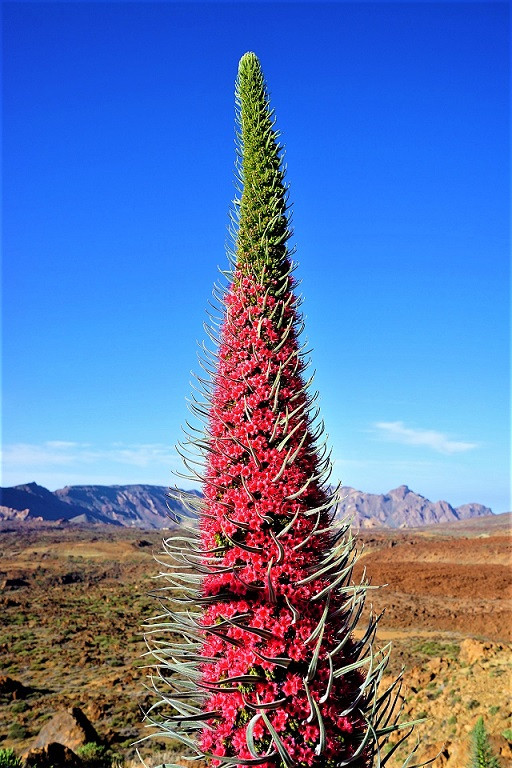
268	665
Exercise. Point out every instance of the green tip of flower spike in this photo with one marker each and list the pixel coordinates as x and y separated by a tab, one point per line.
263	221
249	70
249	60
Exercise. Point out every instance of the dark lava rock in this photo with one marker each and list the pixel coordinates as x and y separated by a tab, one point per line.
14	583
12	688
71	577
140	543
50	756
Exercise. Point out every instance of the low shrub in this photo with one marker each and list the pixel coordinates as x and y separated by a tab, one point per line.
17	731
8	759
434	648
93	755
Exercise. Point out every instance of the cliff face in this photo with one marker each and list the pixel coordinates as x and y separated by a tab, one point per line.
147	506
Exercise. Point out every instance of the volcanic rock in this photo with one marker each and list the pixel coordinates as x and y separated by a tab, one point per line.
8	513
14	583
472	650
450	754
68	727
12	688
51	755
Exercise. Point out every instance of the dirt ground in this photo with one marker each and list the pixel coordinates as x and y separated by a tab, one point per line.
451	584
72	601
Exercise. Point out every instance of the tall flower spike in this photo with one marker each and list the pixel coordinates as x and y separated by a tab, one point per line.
254	655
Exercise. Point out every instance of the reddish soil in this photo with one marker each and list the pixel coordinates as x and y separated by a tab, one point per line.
451	583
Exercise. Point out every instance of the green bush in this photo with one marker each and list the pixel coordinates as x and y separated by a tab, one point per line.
93	755
434	648
498	672
8	759
17	731
481	752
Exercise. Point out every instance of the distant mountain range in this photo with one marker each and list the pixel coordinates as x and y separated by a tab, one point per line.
147	506
402	508
133	506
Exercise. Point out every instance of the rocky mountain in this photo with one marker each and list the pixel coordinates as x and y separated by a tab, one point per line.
402	508
147	506
136	506
34	501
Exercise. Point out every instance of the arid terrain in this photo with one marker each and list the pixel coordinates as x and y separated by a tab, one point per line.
73	598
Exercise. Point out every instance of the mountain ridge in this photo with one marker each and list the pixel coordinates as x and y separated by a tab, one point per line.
402	508
148	506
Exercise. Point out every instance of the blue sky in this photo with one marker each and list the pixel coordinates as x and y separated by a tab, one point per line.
117	165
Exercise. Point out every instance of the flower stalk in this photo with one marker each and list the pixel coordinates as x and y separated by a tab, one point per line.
255	660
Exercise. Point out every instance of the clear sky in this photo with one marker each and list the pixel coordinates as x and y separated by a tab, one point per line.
117	165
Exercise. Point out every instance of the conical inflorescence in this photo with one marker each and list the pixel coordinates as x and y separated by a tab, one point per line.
256	661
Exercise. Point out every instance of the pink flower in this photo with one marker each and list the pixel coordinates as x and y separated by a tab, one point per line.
279	720
292	684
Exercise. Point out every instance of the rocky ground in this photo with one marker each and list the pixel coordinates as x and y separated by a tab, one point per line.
72	601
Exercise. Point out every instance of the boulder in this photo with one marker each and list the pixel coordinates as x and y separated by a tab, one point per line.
51	755
14	583
12	688
502	746
472	650
70	728
448	754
